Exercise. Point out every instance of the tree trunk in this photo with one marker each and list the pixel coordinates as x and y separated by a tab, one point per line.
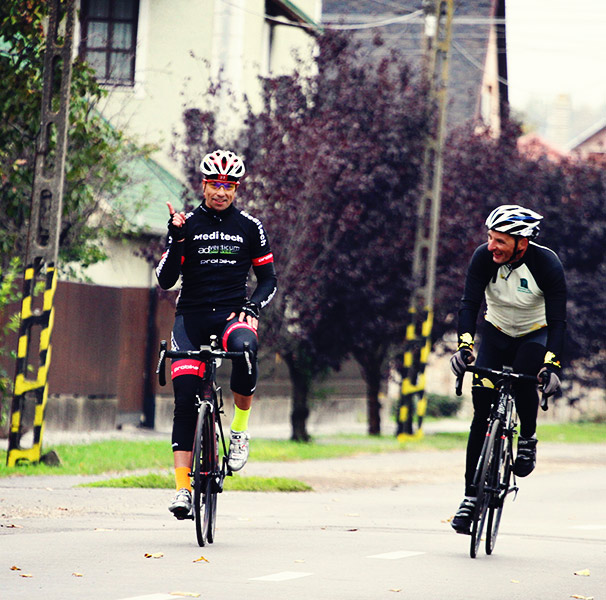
300	391
373	405
370	365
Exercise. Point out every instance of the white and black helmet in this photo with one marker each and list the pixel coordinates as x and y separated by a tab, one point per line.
222	165
514	220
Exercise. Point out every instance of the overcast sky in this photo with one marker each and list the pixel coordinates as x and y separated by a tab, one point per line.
557	47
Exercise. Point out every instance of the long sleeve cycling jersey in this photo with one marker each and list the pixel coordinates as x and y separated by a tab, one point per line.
214	260
520	298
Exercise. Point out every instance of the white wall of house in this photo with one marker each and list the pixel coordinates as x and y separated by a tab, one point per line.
124	268
181	44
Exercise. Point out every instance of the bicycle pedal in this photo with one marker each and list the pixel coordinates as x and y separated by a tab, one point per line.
181	517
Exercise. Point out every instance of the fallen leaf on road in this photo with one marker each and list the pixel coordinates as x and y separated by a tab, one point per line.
185	594
583	573
13	526
25	575
201	559
15	568
156	555
102	529
395	590
352	530
582	597
77	575
514	581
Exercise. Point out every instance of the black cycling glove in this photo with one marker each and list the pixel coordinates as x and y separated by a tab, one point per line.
251	309
549	380
175	232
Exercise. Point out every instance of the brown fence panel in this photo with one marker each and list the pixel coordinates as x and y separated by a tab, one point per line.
85	340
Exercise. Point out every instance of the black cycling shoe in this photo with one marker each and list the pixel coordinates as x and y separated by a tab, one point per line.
526	458
461	522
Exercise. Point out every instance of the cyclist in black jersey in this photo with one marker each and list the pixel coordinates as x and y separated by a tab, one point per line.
524	288
213	248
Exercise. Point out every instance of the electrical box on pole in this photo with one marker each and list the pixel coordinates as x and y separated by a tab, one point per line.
40	277
413	403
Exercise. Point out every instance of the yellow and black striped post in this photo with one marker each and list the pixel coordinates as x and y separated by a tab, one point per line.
44	231
32	388
413	402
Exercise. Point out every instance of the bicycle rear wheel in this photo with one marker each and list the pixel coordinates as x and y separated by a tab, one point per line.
503	477
198	470
211	462
483	480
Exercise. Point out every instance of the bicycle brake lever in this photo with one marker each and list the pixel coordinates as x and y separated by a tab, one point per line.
459	385
544	403
544	398
160	368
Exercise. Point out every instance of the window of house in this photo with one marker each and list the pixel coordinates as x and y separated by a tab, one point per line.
108	39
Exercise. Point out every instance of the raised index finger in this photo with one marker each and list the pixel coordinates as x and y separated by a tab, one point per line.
171	210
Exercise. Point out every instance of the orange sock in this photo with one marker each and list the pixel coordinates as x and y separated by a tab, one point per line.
182	478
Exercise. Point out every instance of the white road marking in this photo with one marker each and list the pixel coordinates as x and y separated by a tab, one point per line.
396	555
282	576
153	597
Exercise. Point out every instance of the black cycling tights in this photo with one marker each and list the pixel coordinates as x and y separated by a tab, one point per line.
524	355
189	333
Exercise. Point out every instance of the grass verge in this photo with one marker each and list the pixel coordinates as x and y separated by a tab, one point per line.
120	456
234	483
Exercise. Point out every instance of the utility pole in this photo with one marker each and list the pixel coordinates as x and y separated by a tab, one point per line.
43	237
438	22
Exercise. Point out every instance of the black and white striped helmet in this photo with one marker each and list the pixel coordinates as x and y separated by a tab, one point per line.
514	220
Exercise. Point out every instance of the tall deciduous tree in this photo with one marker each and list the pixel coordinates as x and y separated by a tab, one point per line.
333	160
336	162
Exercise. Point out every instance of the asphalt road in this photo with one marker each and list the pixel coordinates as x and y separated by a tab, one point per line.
376	527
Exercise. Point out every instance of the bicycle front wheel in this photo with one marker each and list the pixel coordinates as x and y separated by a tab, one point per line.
503	478
483	479
198	471
211	458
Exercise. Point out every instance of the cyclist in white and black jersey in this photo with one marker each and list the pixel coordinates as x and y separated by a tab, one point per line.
213	249
524	288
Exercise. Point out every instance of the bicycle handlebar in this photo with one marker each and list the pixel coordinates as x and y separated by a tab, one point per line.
204	354
504	375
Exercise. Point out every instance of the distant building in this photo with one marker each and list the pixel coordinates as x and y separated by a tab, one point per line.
534	146
591	144
477	73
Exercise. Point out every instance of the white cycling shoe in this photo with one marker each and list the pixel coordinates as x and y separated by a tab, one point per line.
238	449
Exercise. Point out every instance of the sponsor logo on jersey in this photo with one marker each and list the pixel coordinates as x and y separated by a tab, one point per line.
222	249
219	235
263	260
218	261
259	225
523	287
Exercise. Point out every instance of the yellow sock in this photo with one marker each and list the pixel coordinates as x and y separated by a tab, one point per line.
240	422
182	478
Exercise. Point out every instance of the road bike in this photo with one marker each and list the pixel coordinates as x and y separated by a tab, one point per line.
494	479
207	472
